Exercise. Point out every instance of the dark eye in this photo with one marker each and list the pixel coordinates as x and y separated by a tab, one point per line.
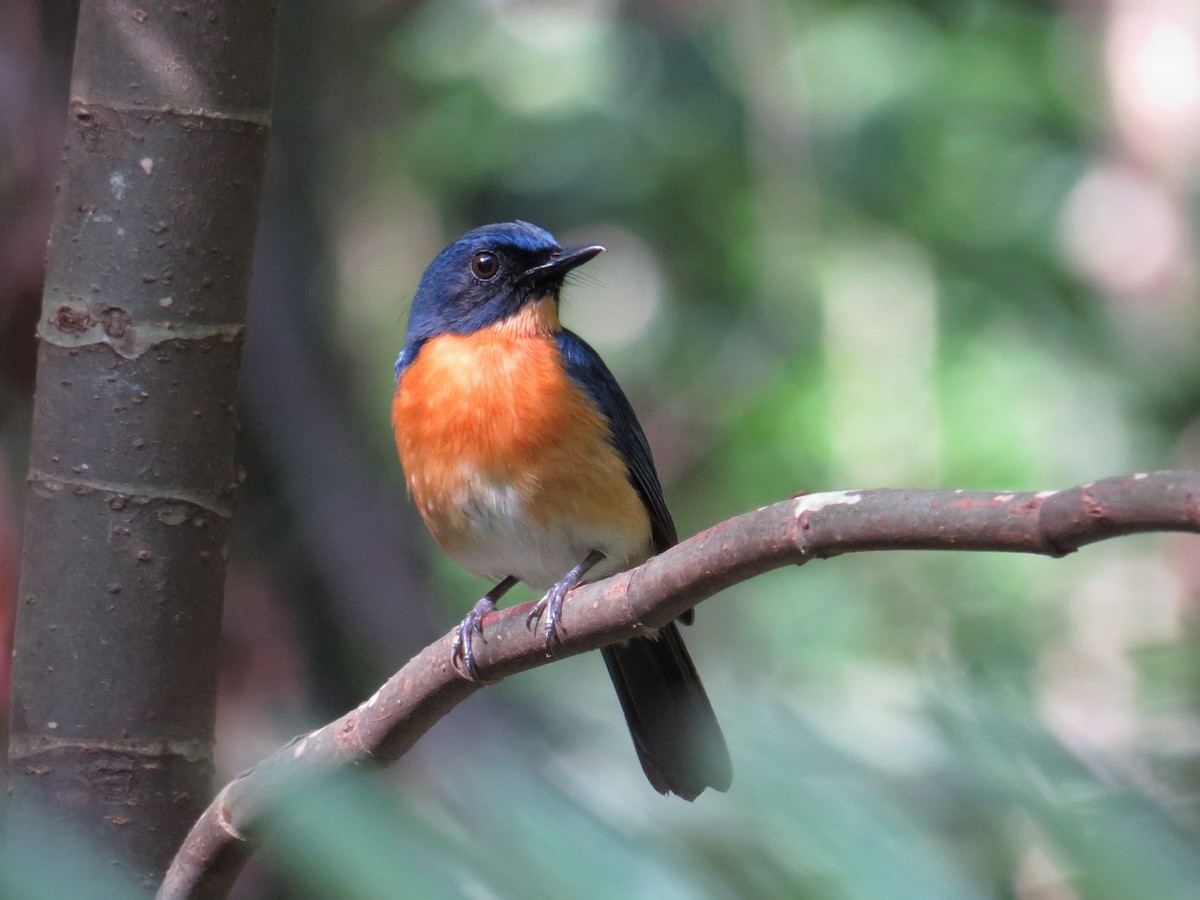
485	265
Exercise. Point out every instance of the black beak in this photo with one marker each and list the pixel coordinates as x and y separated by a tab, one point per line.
563	262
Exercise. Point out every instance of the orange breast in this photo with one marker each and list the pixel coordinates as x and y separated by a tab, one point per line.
494	414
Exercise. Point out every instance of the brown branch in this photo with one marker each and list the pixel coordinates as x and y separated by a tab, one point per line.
813	526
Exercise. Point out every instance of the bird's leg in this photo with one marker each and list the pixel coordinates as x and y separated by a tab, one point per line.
552	603
473	622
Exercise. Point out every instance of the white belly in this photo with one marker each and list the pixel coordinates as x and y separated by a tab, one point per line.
501	539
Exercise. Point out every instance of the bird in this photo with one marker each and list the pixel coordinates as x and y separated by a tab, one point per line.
527	464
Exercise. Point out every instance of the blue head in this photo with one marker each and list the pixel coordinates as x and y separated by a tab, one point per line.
486	276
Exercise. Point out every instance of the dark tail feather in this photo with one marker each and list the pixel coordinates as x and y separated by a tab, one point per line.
674	729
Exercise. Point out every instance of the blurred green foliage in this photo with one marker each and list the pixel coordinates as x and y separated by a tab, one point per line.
48	863
841	233
852	244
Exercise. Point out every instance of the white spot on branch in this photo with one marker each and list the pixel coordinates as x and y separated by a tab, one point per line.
147	165
174	514
116	181
816	502
223	815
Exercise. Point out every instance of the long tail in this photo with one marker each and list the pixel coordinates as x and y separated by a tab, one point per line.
674	729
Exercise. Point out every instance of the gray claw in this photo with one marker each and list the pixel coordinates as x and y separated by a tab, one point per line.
462	653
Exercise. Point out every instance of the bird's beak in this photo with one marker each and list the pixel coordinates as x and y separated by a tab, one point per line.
563	262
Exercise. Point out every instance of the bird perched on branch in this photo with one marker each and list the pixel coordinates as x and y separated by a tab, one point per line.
527	464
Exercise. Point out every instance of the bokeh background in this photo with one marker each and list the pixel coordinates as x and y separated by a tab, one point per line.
852	244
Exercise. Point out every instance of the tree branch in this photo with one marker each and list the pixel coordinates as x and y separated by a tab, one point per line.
792	532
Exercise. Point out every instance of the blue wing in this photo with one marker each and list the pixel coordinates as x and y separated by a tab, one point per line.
407	355
588	370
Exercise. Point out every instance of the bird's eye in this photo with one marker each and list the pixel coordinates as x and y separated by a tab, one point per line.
485	265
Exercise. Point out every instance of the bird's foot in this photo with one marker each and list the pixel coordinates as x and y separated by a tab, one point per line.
462	654
551	605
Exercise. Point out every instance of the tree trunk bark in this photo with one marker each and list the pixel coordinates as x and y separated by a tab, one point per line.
132	473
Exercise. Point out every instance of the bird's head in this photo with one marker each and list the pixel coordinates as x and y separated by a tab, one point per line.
489	275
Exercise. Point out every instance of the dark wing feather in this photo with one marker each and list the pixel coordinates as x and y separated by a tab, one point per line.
676	735
674	729
588	370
